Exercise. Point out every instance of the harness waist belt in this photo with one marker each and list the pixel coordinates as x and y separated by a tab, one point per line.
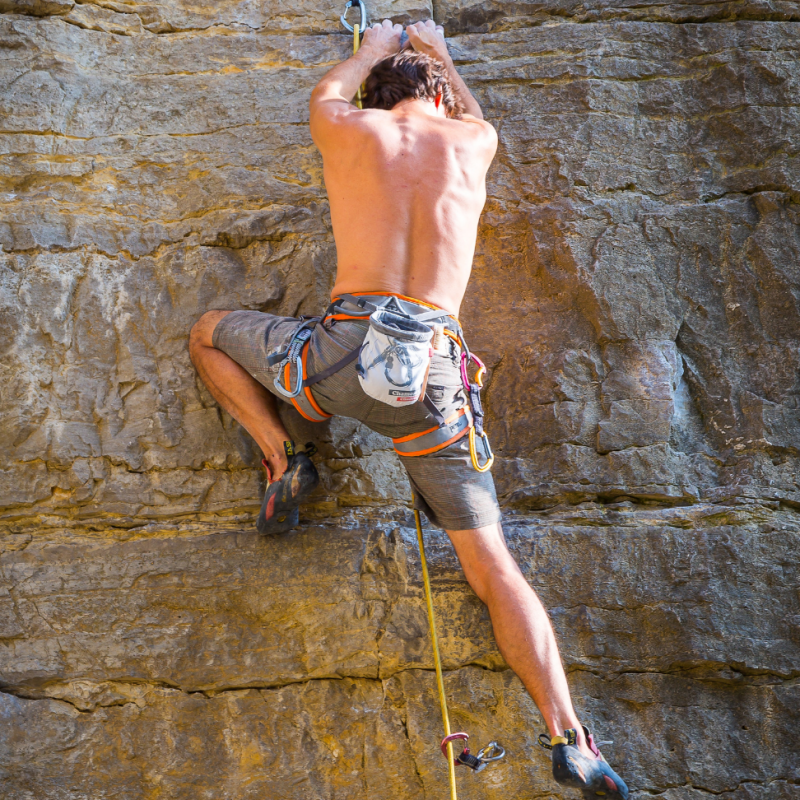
433	439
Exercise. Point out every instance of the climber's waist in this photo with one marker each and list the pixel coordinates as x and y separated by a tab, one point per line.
343	308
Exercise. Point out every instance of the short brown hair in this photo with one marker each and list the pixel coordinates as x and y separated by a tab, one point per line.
409	74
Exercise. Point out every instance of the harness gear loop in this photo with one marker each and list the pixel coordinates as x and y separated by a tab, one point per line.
476	431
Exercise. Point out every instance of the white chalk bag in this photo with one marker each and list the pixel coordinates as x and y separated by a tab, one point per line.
394	359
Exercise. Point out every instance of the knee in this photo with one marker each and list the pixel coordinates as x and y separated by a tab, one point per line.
202	332
493	574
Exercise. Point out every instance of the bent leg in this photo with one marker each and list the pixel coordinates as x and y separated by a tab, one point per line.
241	395
521	626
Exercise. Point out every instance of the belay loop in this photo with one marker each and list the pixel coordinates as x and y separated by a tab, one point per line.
363	24
486	755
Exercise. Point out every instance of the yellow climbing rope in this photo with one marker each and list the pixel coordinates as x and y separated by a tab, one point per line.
356	45
436	659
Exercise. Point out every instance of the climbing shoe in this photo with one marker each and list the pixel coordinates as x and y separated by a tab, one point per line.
279	510
592	776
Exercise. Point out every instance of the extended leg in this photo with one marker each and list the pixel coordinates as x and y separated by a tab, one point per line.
521	627
241	395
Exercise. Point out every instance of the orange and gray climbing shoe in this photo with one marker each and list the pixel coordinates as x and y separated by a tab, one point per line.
592	776
279	509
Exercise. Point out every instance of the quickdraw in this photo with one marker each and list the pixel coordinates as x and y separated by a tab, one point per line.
358	31
485	756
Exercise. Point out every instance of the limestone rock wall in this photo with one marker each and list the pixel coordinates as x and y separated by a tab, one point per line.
635	296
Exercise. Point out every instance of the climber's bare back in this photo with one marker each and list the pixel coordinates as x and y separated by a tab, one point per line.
406	190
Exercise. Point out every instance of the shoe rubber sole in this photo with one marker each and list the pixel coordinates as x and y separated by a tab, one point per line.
279	509
593	777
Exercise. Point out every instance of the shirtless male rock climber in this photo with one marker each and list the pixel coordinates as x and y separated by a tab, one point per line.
405	228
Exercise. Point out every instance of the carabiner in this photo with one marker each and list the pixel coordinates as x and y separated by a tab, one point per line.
492	752
473	452
465	360
298	387
363	9
454	737
293	356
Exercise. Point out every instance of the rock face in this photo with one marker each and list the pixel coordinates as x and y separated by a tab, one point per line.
636	296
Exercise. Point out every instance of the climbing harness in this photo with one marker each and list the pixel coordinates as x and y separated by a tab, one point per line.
293	381
358	31
493	751
467	419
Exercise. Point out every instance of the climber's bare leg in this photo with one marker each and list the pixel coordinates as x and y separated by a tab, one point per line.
521	627
241	395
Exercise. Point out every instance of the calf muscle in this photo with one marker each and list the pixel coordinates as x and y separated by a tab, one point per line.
241	395
521	627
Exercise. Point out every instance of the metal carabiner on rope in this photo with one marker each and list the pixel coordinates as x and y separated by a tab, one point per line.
358	31
343	19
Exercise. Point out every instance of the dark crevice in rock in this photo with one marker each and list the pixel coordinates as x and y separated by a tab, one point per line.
702	671
791	194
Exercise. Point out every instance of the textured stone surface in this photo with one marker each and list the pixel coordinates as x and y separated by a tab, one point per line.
639	241
636	299
192	660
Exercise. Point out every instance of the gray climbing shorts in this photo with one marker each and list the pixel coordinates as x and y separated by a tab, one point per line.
447	488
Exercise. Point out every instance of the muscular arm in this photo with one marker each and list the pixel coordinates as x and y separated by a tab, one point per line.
331	98
332	95
342	82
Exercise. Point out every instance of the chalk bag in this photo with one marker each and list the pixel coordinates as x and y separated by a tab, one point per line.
394	360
